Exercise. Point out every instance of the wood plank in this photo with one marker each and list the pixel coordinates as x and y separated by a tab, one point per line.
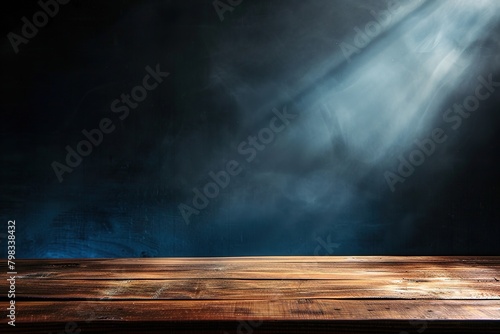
257	310
381	267
287	294
361	288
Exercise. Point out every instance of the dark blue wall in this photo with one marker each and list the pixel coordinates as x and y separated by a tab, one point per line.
315	183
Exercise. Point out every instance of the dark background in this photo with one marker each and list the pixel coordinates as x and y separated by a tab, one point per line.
225	79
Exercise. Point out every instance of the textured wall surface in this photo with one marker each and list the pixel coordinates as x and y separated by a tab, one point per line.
224	128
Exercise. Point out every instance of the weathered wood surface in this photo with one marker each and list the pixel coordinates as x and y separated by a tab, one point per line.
263	294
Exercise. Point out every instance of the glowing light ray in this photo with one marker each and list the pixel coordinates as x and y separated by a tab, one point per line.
398	83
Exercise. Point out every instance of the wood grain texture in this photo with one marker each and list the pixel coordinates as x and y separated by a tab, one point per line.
266	294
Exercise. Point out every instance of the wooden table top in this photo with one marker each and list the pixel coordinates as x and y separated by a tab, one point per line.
355	294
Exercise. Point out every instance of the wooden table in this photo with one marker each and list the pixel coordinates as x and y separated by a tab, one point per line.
256	295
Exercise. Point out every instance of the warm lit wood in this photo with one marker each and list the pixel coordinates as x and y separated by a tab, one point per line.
289	294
